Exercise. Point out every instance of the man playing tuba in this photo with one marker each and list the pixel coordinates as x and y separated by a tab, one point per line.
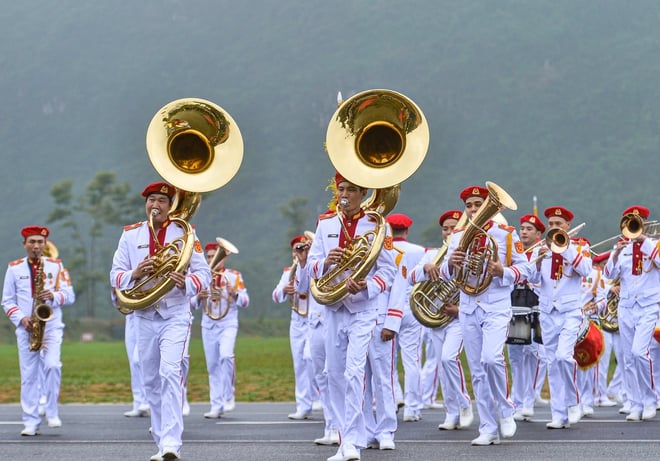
484	317
351	319
164	326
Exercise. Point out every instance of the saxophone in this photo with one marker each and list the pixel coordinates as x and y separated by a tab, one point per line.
41	312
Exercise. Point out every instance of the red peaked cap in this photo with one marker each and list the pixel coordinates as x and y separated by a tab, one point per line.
339	178
35	230
211	246
159	188
534	221
601	257
399	221
642	211
298	239
558	211
474	191
450	214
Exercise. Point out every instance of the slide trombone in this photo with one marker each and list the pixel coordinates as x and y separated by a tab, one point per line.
556	240
631	226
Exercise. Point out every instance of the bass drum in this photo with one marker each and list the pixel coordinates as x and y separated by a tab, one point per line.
520	328
590	344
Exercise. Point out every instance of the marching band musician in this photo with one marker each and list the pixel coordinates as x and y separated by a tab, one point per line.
447	341
561	315
484	320
164	328
601	398
636	262
528	365
298	332
219	335
594	293
351	320
18	301
408	330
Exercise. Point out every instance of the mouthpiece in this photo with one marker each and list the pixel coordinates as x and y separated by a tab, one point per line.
343	203
155	212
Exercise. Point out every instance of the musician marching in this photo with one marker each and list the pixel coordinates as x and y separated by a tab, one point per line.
447	341
559	275
32	281
636	261
527	361
305	391
484	317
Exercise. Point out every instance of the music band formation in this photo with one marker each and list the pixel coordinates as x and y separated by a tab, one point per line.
522	306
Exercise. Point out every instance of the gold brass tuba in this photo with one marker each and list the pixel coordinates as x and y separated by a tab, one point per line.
41	312
609	318
375	139
427	298
196	146
472	278
216	306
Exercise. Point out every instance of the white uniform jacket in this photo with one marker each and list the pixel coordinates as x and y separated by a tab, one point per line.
378	279
510	252
565	292
279	296
644	288
407	257
17	298
133	247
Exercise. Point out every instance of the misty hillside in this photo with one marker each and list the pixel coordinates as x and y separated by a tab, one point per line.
558	99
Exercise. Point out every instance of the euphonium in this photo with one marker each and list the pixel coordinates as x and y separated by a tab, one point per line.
609	318
217	305
471	277
197	147
41	312
428	298
376	139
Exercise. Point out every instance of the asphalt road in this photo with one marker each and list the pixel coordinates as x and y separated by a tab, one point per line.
261	431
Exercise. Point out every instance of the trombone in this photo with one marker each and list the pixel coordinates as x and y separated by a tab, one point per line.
557	240
632	226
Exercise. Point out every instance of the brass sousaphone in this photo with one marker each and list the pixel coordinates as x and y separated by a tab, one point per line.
197	147
376	139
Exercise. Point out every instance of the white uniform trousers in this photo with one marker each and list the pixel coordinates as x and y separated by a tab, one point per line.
219	342
380	373
447	344
636	325
131	340
317	336
161	347
410	345
654	351
347	343
526	366
302	363
602	369
33	365
617	386
430	375
560	332
586	380
484	334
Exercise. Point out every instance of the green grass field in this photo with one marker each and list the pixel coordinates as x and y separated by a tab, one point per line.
97	372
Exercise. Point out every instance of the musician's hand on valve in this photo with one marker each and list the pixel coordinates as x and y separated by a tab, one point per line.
432	272
144	268
334	257
616	289
204	294
456	259
451	310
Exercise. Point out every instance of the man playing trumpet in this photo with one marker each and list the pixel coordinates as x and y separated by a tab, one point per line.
636	261
559	277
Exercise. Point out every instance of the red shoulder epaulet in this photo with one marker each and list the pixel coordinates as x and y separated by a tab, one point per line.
234	271
581	241
286	268
507	227
327	215
133	226
458	229
53	260
18	261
